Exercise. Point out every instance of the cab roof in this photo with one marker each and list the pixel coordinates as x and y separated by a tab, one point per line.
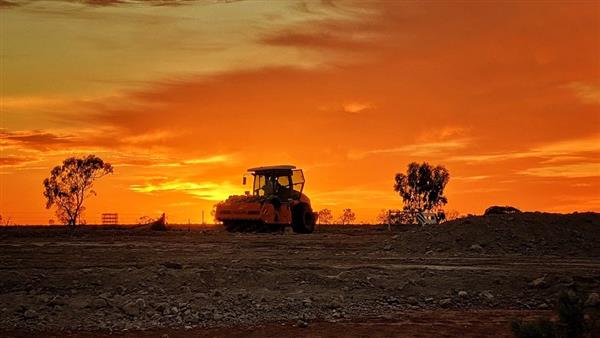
272	168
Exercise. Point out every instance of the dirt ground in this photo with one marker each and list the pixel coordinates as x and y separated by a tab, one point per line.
359	282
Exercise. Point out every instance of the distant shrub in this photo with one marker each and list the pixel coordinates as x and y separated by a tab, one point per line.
570	314
325	216
540	328
452	215
571	321
348	216
499	210
145	220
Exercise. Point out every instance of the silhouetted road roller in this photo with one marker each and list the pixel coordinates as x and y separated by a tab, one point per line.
275	202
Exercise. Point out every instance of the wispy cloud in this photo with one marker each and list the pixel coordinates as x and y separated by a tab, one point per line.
587	93
103	3
588	144
567	170
440	134
7	4
33	139
356	107
553	150
417	149
318	40
491	157
565	158
226	158
480	190
211	159
150	137
347	28
471	178
145	149
33	102
15	161
99	137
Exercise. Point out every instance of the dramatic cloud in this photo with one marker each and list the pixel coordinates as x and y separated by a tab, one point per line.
36	139
11	161
7	4
101	3
349	91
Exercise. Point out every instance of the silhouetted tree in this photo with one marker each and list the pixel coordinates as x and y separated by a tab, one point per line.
348	216
383	217
452	215
70	184
325	216
422	187
5	222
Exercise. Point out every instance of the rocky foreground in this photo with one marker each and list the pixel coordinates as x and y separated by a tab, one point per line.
114	280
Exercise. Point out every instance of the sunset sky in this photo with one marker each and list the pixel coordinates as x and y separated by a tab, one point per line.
183	96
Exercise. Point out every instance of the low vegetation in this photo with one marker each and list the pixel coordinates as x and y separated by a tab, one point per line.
572	321
325	216
348	217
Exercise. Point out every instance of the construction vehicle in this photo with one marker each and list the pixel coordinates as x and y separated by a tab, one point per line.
275	202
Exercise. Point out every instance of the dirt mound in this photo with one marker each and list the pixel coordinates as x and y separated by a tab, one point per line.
501	210
114	280
159	224
529	233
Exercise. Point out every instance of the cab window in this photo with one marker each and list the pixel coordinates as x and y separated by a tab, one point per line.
259	182
298	179
284	181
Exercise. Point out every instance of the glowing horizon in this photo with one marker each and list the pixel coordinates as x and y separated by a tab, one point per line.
183	96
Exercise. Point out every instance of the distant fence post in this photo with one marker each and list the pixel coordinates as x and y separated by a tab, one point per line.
110	219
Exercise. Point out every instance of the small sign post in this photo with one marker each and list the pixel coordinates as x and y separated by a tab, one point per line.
110	219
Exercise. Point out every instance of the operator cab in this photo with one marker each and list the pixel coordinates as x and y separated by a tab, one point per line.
282	181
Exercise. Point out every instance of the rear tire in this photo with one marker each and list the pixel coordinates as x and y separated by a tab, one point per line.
303	219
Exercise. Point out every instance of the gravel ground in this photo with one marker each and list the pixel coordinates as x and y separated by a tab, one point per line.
107	281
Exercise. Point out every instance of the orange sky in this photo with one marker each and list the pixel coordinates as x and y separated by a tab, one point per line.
183	96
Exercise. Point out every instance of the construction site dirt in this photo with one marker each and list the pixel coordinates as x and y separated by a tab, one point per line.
467	277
